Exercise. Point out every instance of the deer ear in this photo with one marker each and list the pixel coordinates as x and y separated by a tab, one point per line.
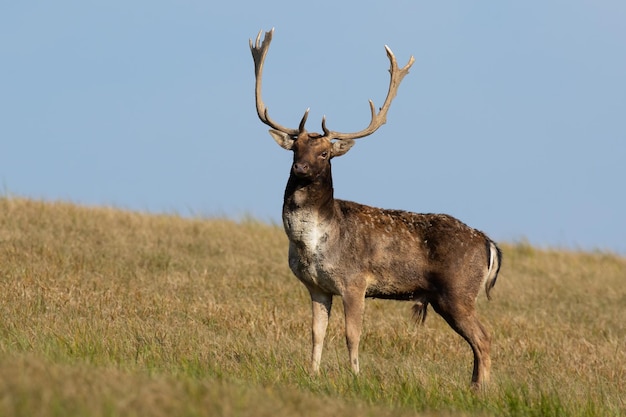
284	140
340	147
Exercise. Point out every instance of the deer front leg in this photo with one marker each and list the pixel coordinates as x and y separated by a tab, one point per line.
354	305
321	304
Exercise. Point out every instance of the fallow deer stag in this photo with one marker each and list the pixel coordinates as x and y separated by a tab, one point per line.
338	247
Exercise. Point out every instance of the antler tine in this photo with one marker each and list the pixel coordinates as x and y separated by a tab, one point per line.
259	51
379	119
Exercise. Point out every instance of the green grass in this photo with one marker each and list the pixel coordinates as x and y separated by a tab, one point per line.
113	313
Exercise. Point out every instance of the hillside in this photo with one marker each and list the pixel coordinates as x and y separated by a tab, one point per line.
108	312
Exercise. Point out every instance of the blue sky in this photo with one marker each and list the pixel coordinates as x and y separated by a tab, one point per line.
513	117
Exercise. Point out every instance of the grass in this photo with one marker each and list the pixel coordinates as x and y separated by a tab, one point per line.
107	312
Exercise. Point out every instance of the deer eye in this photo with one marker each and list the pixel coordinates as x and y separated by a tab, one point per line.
324	154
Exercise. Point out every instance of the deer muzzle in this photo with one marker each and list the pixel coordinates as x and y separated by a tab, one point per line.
301	169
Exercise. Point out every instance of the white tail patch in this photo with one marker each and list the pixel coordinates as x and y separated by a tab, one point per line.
492	257
492	271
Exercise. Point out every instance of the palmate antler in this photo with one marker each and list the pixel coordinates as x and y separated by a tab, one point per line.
259	51
380	118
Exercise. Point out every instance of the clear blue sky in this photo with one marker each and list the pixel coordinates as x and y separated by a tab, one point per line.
513	117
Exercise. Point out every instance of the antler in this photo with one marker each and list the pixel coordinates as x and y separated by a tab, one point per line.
377	119
259	50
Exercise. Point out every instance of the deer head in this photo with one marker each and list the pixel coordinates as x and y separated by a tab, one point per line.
313	151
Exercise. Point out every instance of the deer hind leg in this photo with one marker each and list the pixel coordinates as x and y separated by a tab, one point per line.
464	321
321	304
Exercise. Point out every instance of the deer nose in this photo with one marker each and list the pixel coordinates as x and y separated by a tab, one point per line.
300	168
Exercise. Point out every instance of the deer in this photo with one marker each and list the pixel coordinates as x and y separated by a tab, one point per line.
342	248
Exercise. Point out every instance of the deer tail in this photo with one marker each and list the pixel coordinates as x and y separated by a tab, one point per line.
495	260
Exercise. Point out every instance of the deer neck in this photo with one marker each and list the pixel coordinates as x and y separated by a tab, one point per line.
308	208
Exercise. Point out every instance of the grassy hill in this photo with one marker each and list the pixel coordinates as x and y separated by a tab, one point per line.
107	312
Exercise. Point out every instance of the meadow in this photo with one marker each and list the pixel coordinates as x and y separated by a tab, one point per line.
107	312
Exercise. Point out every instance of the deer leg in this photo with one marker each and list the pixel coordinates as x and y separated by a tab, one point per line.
321	304
353	306
465	322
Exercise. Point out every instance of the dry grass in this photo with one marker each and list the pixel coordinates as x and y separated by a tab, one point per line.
106	312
